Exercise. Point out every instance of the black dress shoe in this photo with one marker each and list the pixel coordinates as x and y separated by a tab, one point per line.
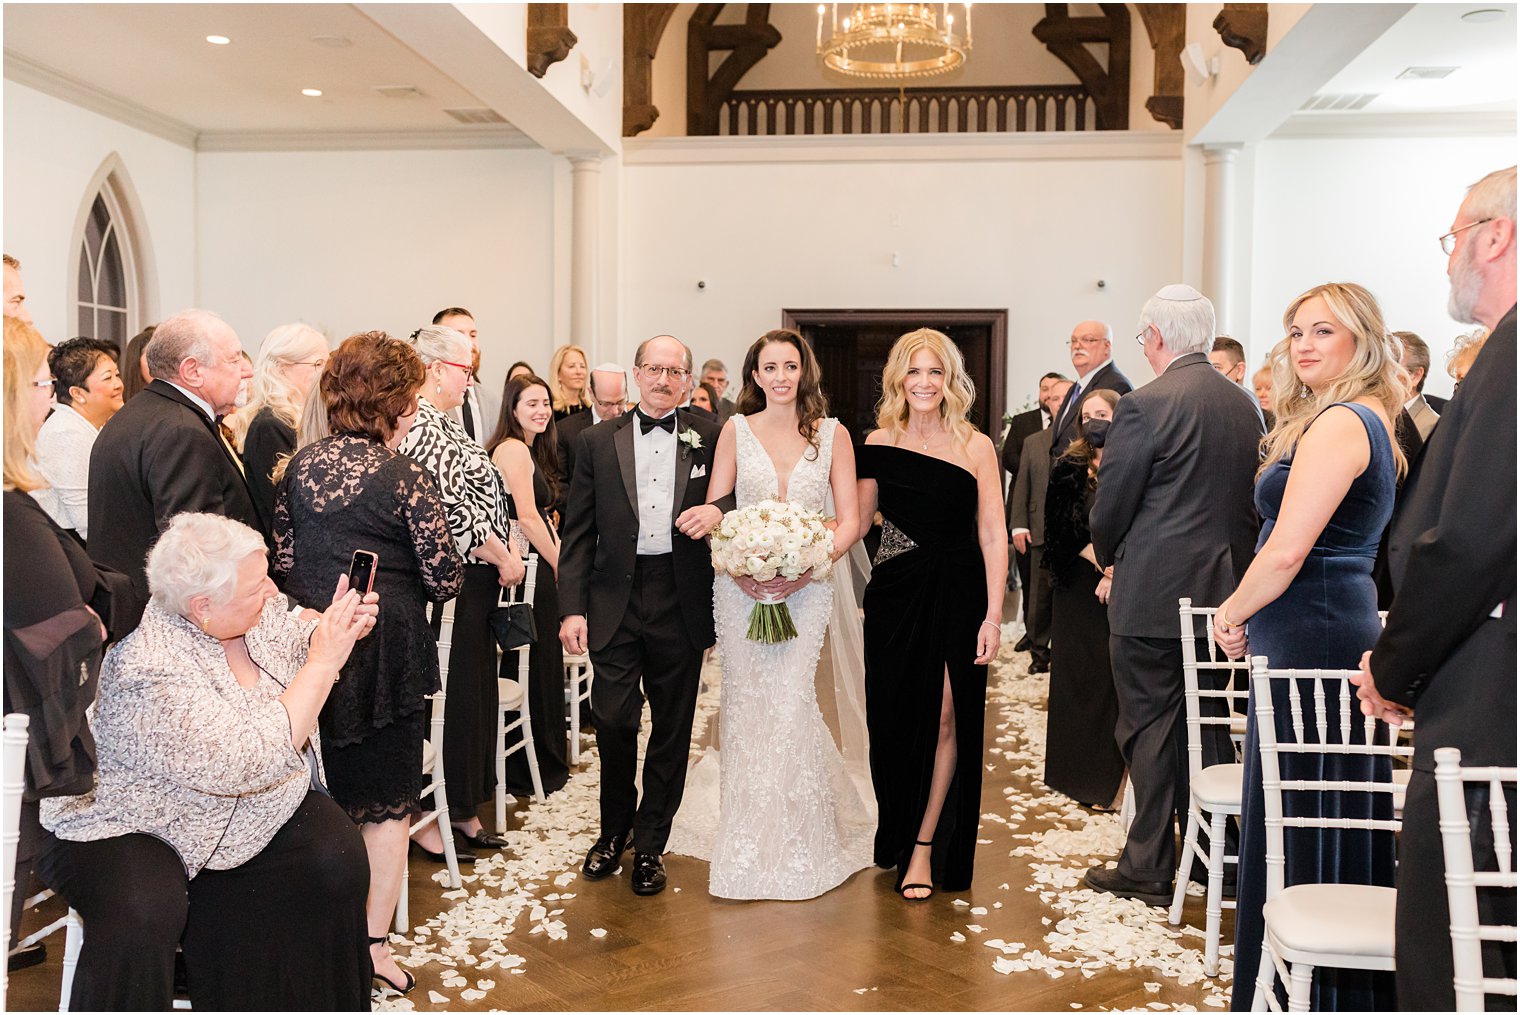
1022	645
25	958
1153	893
604	856
1039	666
648	874
462	855
482	840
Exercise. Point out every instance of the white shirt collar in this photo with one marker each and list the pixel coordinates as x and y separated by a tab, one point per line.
1082	379
200	402
1409	405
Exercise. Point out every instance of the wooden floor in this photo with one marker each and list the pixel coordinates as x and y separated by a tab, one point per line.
527	933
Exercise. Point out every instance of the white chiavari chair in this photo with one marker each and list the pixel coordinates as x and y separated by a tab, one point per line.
513	696
578	677
1306	926
1214	791
1464	881
14	785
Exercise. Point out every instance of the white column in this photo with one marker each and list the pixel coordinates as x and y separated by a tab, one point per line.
585	183
1219	231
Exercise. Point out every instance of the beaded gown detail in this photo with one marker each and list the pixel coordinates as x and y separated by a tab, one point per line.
787	821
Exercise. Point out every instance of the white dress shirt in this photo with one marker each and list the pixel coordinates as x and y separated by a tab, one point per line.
63	459
200	402
654	457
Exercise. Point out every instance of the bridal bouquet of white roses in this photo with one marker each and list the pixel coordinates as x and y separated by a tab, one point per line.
765	540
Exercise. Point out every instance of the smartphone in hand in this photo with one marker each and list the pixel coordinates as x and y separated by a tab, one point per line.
361	572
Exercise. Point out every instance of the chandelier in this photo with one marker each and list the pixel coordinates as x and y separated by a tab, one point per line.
896	41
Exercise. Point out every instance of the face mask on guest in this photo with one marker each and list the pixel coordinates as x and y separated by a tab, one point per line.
1096	432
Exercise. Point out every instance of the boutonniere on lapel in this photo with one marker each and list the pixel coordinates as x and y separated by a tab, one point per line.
690	441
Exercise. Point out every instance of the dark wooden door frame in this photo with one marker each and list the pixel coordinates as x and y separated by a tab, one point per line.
910	320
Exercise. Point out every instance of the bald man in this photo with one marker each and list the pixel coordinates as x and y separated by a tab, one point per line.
1092	350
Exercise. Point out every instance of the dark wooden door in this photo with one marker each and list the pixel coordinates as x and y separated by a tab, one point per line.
852	348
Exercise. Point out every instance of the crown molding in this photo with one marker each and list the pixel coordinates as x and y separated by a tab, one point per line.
1433	124
24	71
495	137
977	147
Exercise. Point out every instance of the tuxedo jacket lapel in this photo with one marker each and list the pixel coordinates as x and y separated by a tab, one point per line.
173	394
684	464
622	440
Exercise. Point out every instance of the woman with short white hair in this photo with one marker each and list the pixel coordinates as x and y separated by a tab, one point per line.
479	511
285	372
202	829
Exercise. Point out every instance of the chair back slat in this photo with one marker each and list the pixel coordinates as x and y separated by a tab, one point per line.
13	781
1194	691
1463	879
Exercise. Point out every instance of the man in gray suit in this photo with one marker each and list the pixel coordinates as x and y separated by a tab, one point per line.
1174	516
1026	522
1416	360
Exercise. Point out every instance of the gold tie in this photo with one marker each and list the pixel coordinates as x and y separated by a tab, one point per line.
228	439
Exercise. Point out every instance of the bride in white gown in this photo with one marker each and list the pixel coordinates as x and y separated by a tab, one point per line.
787	821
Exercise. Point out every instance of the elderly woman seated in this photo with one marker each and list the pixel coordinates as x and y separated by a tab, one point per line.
209	826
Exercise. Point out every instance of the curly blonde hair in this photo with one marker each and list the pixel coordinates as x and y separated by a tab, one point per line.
892	410
557	394
1374	370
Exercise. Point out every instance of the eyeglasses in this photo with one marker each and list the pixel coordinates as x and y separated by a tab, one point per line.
318	363
1449	241
44	384
616	403
1073	343
1144	334
463	366
677	374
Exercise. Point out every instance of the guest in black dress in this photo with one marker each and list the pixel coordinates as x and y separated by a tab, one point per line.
290	360
526	449
1325	495
568	373
353	491
932	612
1082	757
479	518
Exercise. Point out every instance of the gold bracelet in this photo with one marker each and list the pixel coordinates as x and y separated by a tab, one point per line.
1226	620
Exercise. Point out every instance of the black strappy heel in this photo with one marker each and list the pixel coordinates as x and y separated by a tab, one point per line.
411	981
903	888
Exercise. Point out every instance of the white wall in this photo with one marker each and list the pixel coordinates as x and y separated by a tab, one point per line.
52	152
383	239
1367	211
1021	224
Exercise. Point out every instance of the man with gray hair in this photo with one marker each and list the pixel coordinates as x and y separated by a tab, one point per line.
165	452
1448	649
716	374
1092	363
1173	518
609	400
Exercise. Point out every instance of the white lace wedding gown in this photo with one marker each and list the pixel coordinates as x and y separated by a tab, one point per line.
788	821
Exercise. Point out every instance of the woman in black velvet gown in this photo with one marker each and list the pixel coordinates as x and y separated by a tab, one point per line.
933	612
526	450
1082	757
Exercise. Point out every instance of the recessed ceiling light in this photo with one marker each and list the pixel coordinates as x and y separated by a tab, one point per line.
1483	15
313	93
332	41
1427	73
218	40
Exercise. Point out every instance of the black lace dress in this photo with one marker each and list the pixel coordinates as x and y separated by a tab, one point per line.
348	493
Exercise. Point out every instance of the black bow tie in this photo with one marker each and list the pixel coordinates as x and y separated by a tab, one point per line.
648	423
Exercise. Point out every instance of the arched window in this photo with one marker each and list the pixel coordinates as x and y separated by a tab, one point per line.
114	266
103	300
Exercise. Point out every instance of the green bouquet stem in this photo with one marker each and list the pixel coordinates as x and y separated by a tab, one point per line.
771	624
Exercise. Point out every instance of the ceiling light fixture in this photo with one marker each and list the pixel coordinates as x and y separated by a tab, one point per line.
312	93
218	40
332	41
1483	15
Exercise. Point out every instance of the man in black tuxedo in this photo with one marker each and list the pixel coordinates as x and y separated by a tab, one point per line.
1026	530
609	400
1174	516
166	452
1020	428
1448	649
637	592
1092	348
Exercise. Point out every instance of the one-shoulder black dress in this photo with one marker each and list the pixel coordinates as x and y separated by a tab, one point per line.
926	599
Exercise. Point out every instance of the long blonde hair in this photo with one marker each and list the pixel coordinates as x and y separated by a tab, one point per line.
1374	371
960	393
311	427
557	394
25	351
287	344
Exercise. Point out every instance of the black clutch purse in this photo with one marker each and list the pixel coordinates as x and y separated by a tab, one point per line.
513	626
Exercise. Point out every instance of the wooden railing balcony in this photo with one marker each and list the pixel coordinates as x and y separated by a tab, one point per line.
954	110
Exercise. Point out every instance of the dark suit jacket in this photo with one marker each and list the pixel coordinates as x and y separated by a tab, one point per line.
1026	504
1019	430
601	530
568	432
1436	402
1065	425
725	409
1175	510
155	458
1452	558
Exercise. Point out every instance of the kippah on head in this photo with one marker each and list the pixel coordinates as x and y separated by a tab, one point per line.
1178	293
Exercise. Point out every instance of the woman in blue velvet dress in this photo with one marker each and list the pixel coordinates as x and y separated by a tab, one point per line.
1325	494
